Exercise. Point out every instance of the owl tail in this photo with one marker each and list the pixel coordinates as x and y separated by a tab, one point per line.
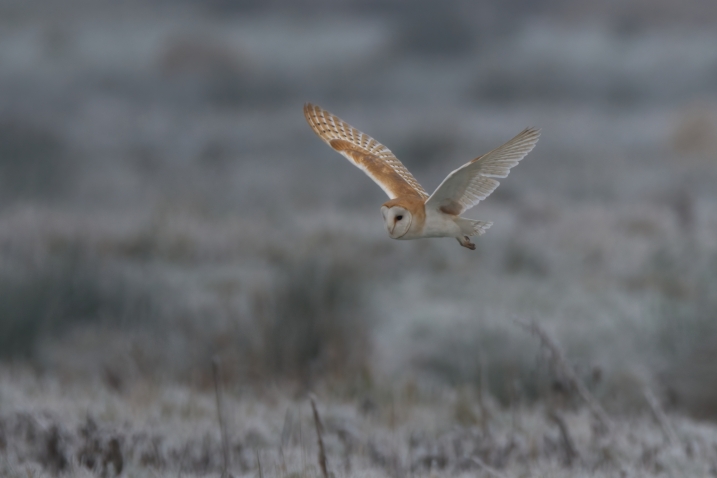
470	227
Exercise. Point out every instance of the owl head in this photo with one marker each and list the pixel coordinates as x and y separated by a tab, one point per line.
397	220
400	215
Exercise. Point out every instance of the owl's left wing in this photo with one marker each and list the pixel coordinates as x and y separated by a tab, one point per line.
375	159
473	182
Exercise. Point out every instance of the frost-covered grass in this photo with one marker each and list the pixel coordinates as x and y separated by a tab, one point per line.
48	426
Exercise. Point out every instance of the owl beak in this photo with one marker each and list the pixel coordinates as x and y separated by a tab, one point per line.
384	211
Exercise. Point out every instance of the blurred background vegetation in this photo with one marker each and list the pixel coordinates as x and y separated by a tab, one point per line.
162	200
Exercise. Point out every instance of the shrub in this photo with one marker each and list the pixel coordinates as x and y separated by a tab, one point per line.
66	290
686	332
312	321
500	358
34	161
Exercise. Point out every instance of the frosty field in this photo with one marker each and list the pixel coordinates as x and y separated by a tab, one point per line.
163	204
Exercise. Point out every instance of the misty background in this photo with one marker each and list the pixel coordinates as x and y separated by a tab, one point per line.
163	201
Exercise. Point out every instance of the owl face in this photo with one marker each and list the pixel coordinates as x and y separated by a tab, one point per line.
397	220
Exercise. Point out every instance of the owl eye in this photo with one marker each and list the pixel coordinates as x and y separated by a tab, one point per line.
399	217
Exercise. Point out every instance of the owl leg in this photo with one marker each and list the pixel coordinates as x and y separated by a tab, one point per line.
465	241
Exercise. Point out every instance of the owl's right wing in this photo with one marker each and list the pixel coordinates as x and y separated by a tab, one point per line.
473	182
375	159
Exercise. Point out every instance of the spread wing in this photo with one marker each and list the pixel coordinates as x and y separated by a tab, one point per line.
365	152
473	182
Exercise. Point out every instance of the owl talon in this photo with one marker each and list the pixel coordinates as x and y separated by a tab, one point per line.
466	242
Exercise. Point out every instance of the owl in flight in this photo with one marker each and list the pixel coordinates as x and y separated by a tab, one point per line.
412	213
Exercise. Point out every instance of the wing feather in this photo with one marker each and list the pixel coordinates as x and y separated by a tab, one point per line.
473	182
375	159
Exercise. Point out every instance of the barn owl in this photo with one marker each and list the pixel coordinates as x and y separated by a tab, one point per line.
411	213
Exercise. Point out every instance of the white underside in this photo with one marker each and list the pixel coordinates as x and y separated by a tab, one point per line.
437	225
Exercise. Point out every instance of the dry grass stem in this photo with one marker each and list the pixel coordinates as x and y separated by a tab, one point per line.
483	384
258	463
659	414
559	359
319	433
216	365
286	430
571	451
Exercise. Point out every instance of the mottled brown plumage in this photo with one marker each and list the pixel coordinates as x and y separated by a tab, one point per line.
365	152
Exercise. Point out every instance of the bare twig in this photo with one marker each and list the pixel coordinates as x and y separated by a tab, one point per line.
319	432
659	415
559	359
216	364
571	452
488	469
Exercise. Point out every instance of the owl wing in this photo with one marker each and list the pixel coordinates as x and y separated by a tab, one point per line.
473	182
372	157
